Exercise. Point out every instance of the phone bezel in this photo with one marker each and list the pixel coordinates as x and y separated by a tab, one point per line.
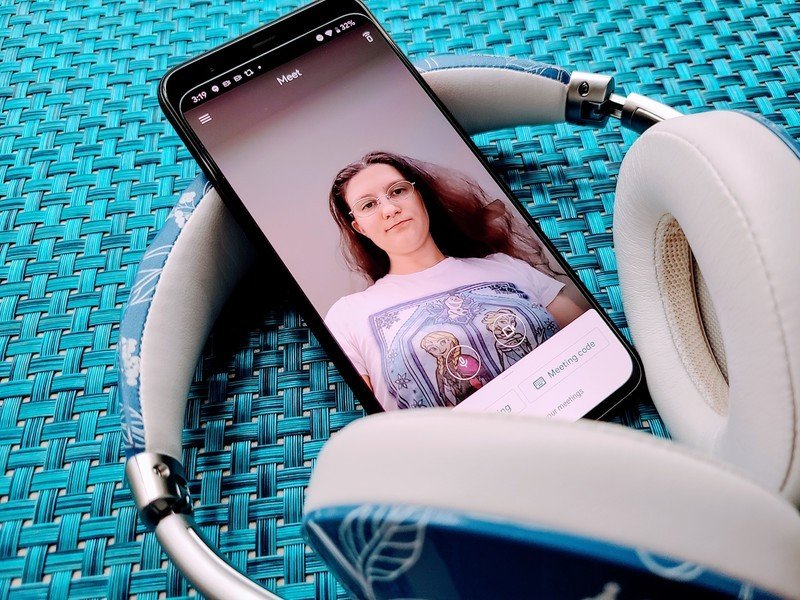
186	76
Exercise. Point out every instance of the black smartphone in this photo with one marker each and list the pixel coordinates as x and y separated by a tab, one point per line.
421	274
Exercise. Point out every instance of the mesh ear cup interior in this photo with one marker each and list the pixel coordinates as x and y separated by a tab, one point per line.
704	230
675	273
709	319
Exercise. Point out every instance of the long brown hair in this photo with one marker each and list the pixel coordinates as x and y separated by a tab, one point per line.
464	221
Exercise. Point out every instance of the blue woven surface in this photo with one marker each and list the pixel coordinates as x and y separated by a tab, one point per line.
89	170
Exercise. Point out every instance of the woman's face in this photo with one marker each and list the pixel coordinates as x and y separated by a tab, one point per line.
395	228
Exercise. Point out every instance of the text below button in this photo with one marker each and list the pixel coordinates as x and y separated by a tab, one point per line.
508	403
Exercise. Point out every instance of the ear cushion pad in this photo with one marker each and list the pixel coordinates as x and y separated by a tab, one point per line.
731	186
589	479
182	283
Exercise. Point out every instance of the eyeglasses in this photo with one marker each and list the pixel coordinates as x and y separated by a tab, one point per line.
368	205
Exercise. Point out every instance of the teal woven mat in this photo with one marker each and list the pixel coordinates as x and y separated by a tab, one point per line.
89	170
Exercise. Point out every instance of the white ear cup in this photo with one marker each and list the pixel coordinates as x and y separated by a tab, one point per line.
732	188
590	479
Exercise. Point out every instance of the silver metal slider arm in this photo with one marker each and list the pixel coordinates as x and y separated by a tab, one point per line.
159	488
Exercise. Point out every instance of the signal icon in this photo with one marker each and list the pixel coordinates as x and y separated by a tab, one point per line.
329	32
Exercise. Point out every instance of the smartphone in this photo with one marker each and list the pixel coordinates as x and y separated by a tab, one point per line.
420	273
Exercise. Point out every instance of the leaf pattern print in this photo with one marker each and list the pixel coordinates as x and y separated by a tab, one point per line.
678	571
147	277
183	209
377	543
130	360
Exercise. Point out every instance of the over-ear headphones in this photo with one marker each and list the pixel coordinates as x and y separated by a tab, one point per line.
707	283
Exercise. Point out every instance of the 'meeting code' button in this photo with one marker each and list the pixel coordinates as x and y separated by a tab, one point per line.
580	352
568	361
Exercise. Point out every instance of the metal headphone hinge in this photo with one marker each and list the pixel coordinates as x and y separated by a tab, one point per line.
159	486
591	101
587	94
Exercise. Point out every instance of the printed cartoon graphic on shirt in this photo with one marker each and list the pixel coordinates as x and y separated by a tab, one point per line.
458	372
510	339
438	350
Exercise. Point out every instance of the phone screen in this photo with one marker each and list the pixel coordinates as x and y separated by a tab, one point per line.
424	270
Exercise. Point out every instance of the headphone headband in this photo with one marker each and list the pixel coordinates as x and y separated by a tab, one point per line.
191	267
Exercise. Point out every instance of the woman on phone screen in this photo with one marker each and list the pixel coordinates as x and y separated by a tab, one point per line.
460	289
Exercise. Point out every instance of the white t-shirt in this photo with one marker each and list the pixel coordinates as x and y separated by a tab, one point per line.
433	337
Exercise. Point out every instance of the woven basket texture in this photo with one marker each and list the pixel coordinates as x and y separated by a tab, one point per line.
89	169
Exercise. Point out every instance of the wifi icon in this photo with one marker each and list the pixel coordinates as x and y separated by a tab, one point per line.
329	32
